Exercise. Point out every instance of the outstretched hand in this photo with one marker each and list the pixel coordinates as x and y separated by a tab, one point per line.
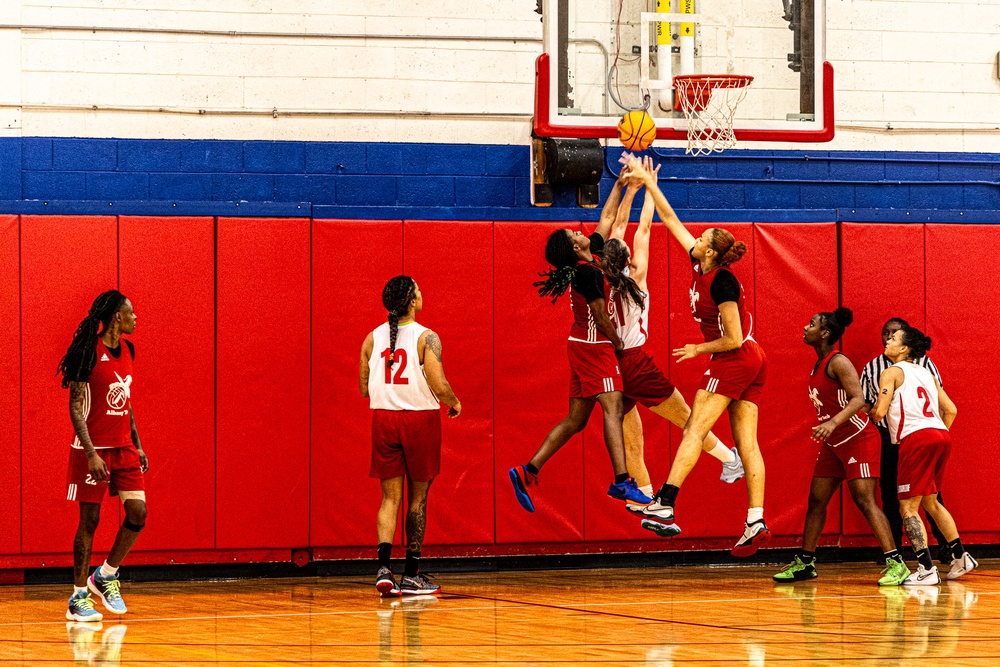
689	351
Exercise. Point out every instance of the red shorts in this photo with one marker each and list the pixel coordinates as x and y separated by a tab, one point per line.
593	369
642	380
858	458
406	442
923	456
123	463
737	374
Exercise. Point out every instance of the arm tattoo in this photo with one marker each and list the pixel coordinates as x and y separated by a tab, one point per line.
885	391
434	343
77	398
416	523
914	529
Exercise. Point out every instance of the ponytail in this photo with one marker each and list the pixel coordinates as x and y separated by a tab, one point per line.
915	339
836	322
615	260
729	249
396	297
81	357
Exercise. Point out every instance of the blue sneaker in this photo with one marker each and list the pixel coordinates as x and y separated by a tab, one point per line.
629	492
520	486
109	590
81	608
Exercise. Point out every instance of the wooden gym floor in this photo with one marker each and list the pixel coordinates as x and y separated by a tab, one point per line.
649	616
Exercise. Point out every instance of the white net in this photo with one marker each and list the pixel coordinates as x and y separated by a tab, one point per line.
709	103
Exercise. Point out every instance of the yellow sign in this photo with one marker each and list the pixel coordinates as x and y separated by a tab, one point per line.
663	29
687	7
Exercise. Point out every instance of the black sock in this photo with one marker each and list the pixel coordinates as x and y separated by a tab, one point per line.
957	550
924	556
531	469
807	556
894	555
667	495
412	563
621	478
384	553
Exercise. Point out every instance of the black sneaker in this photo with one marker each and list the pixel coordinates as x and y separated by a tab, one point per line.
418	584
386	583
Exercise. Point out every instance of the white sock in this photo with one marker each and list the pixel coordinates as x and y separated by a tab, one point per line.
755	514
723	453
648	490
79	589
108	571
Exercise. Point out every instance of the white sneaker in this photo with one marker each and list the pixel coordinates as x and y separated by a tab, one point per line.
960	566
733	472
659	519
923	577
654	509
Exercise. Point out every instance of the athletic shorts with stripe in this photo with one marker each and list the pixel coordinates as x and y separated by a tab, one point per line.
593	369
406	442
858	458
737	374
642	380
122	462
923	456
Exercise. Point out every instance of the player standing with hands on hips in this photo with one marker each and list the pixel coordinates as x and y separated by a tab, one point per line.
402	375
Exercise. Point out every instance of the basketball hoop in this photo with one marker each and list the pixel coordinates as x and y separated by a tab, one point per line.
709	103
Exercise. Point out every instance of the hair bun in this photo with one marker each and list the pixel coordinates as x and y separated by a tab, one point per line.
844	316
927	342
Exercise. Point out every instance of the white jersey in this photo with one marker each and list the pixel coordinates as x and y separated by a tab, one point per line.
404	386
914	404
631	322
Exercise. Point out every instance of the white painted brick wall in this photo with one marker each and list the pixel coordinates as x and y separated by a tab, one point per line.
914	63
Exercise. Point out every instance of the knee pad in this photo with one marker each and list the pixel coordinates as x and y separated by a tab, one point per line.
134	528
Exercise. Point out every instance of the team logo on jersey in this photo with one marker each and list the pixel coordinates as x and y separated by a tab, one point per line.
119	392
694	303
814	397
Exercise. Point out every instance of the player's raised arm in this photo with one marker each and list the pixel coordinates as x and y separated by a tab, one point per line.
640	242
624	210
430	355
637	171
366	355
610	210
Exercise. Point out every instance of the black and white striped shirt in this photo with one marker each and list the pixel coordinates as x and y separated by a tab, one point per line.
873	371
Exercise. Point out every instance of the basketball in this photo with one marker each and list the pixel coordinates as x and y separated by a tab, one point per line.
636	130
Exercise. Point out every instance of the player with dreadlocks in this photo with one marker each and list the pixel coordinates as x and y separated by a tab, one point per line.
402	375
594	375
106	453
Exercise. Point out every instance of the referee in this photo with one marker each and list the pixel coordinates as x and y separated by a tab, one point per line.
890	452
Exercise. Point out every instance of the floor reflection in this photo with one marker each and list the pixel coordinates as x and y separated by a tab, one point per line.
94	644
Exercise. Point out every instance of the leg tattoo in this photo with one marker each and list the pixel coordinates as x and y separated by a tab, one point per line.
915	530
416	522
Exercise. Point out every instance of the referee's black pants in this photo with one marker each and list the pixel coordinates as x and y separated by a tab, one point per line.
890	500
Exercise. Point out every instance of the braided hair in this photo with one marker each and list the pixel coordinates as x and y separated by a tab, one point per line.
396	297
560	254
616	258
836	322
81	357
915	339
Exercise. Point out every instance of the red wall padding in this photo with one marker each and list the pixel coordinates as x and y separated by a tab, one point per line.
530	389
10	387
65	263
457	289
262	375
796	270
167	270
871	270
247	357
961	288
351	263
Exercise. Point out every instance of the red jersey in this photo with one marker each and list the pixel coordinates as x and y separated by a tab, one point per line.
588	285
108	399
707	292
830	398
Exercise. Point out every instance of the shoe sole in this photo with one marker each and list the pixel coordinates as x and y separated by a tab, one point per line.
661	529
750	548
734	479
951	577
522	496
926	582
636	508
409	592
96	591
386	588
96	618
795	579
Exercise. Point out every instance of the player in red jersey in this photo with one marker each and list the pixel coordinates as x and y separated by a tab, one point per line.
642	380
106	453
735	375
850	448
594	374
402	375
920	414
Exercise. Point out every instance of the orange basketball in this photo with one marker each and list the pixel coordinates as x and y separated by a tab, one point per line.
636	130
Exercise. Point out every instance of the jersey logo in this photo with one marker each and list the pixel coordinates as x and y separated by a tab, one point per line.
119	392
902	488
694	303
104	357
851	460
814	397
